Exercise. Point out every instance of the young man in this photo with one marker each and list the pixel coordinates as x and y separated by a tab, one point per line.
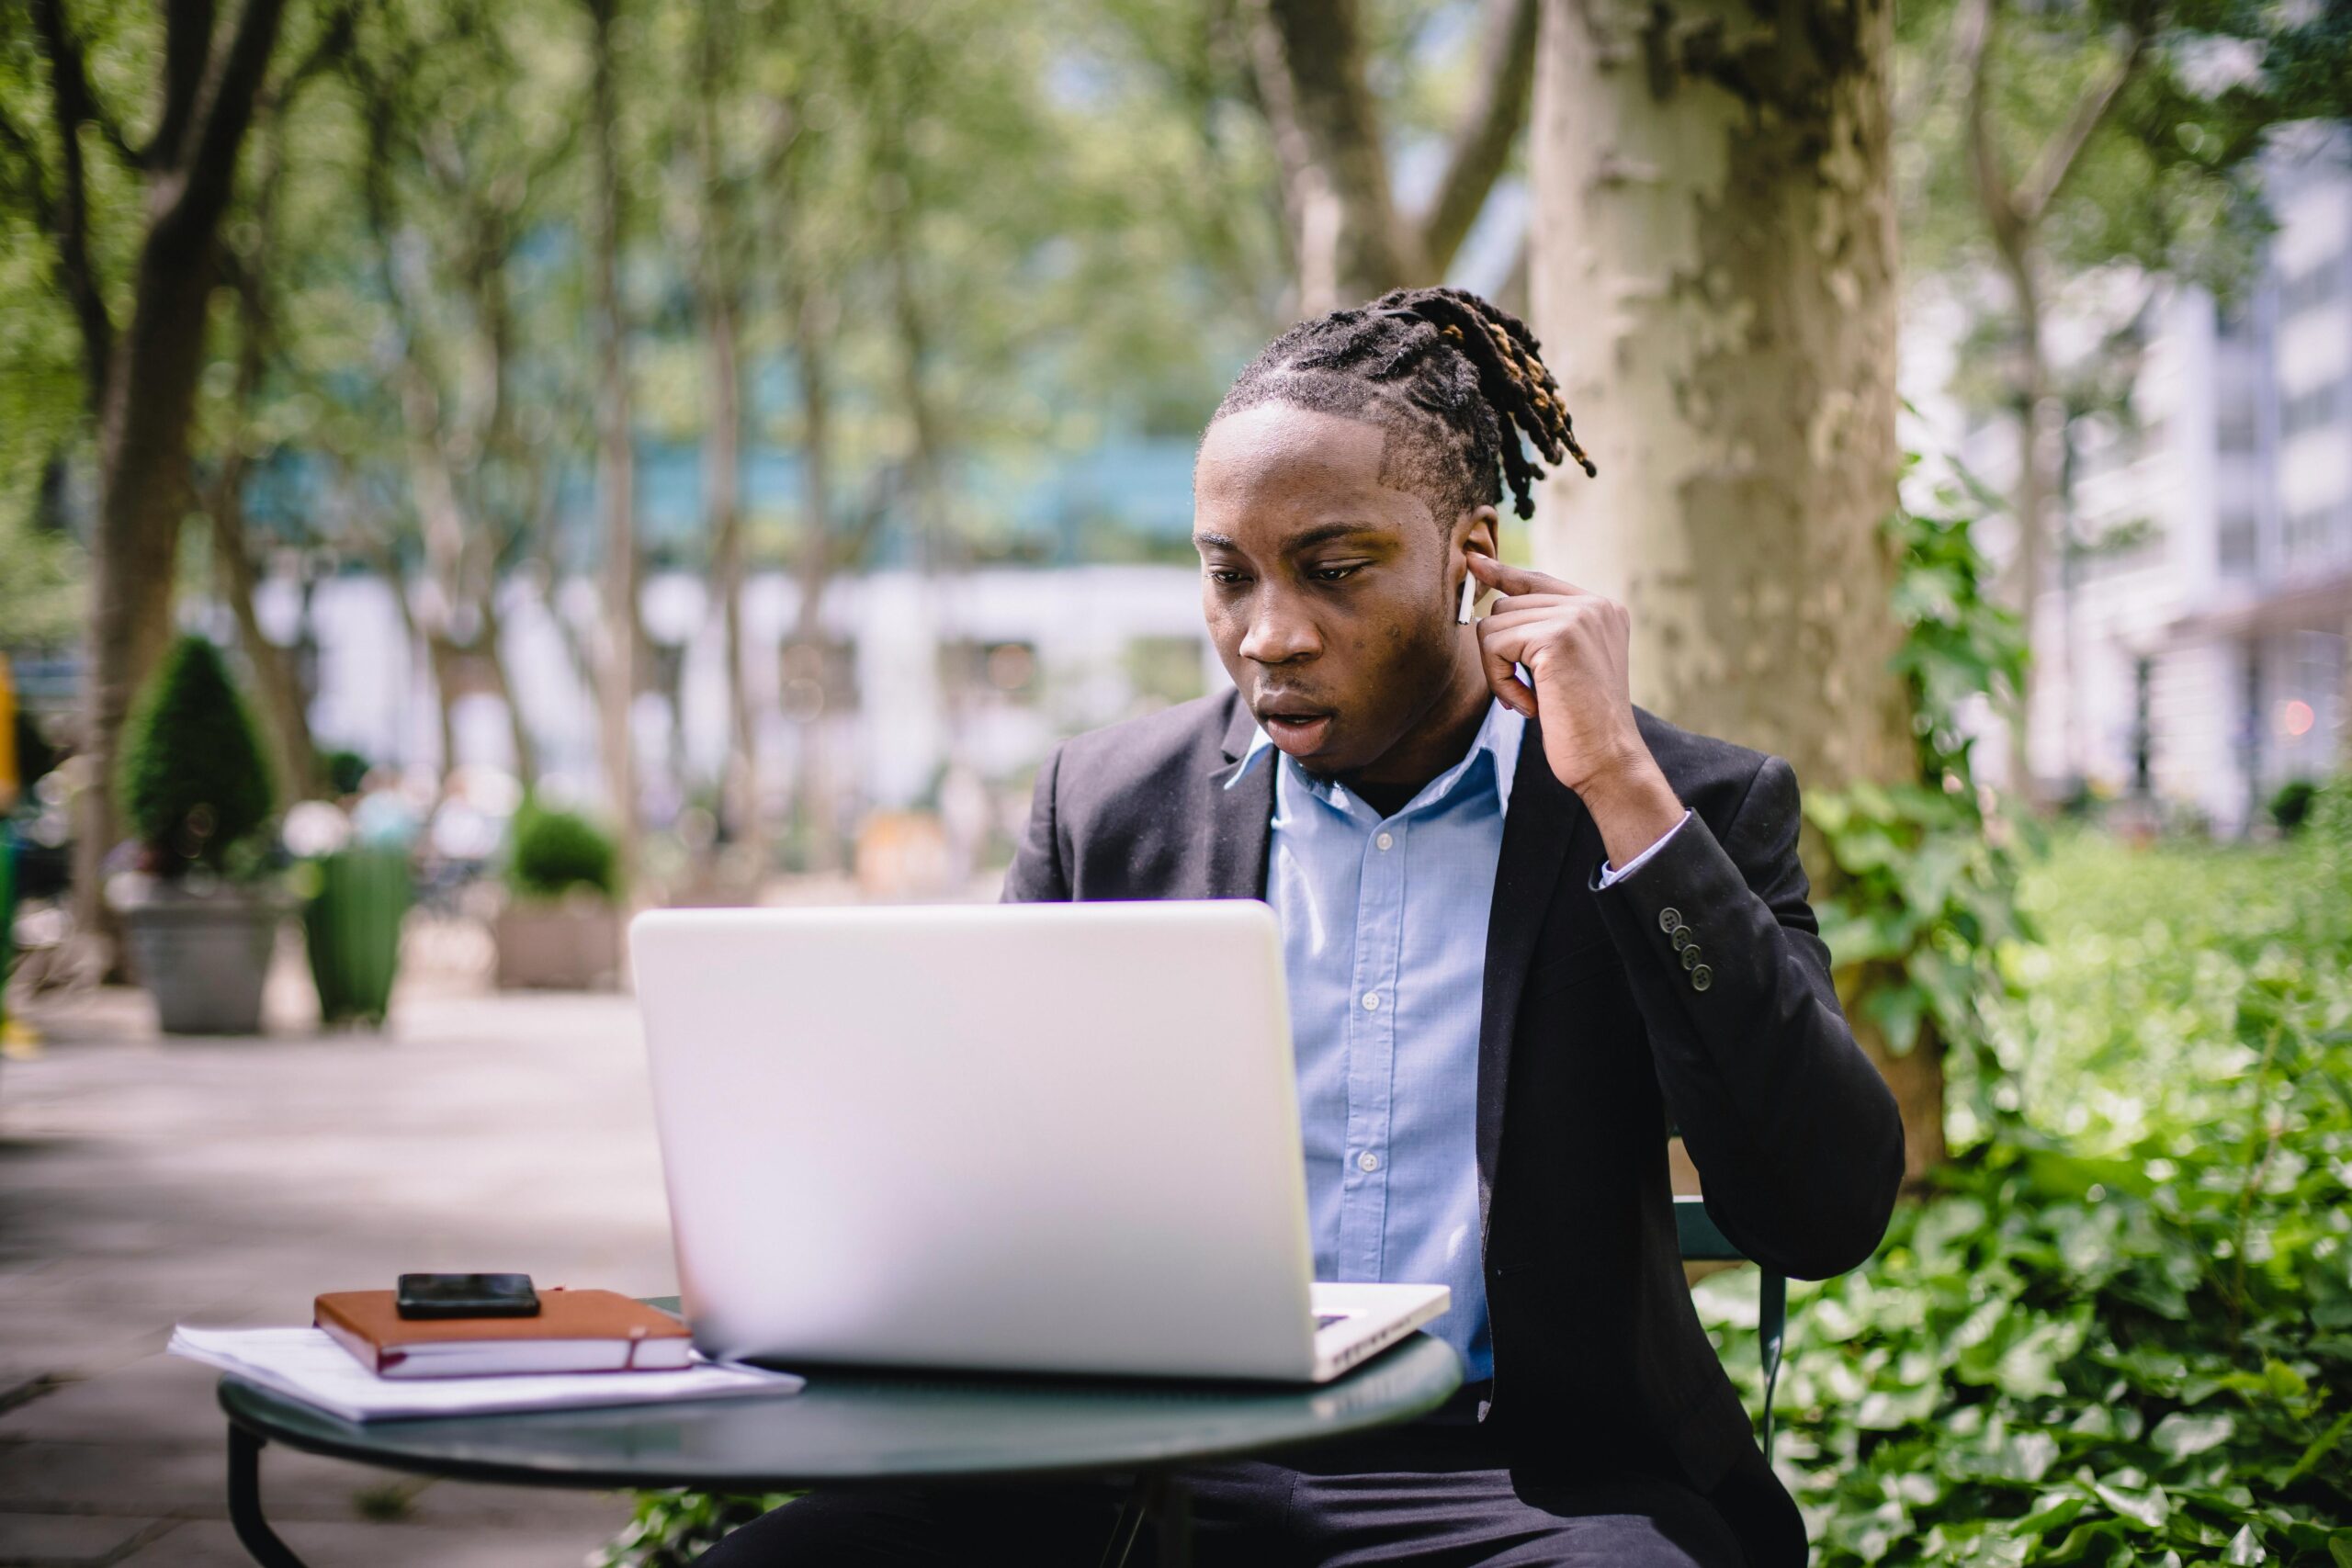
1526	927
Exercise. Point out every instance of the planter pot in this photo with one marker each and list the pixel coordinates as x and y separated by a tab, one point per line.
202	955
573	944
351	926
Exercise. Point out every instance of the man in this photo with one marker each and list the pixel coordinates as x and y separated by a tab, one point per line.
1526	926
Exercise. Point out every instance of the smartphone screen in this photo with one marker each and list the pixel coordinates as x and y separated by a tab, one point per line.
467	1295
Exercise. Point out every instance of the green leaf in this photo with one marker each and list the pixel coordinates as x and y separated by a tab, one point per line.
2244	1548
2181	1434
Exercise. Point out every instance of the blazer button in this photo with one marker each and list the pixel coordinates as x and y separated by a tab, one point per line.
1690	958
1680	937
1701	977
1669	918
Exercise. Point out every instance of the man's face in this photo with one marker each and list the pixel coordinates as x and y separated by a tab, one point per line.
1331	598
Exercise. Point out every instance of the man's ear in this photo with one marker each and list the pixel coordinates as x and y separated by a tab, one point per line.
1474	533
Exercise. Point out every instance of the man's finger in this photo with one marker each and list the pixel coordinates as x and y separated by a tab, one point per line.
1514	580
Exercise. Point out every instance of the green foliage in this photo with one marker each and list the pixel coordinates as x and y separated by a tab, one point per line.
1923	891
2122	1331
670	1529
194	784
345	771
550	852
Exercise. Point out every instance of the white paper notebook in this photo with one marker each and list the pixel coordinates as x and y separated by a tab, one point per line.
308	1365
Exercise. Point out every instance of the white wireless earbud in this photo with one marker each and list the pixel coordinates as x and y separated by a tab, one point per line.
1469	598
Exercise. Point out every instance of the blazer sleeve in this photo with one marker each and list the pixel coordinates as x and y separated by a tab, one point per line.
1796	1136
1036	875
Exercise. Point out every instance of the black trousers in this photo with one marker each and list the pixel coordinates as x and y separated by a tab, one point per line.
1435	1496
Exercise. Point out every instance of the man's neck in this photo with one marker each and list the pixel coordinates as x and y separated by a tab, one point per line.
1442	739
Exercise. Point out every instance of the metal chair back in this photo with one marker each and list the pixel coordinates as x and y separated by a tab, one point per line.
1703	1242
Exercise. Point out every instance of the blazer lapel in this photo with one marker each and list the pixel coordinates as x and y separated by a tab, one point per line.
1240	818
1545	819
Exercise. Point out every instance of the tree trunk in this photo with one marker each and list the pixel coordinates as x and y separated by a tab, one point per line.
1713	271
146	376
616	459
286	715
813	794
722	441
2035	439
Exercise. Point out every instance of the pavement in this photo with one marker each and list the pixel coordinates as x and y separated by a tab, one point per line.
146	1181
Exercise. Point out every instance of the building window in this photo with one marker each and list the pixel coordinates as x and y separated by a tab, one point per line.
2310	409
2314	532
816	678
2234	432
2239	543
1007	668
2310	289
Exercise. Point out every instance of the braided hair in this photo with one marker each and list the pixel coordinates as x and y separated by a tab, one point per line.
1456	376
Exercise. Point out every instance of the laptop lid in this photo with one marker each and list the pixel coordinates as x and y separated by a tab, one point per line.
1027	1137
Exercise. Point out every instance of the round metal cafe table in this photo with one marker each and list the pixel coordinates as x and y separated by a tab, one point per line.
847	1428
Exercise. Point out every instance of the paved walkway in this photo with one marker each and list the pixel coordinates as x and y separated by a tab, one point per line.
144	1182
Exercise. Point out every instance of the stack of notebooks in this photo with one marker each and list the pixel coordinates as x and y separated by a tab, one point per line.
363	1361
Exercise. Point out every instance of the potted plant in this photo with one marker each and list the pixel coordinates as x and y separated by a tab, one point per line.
561	927
196	793
355	898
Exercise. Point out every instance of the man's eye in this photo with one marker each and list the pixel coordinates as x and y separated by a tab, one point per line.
1227	575
1335	573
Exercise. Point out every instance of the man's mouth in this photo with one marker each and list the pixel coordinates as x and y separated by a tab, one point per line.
1295	726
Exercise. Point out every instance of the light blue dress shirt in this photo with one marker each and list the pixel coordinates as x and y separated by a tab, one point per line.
1384	926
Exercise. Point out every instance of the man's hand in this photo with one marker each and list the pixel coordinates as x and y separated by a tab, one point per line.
1574	646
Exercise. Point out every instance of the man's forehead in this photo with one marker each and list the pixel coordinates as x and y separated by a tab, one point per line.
1277	438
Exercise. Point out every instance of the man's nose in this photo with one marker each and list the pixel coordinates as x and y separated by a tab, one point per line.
1279	633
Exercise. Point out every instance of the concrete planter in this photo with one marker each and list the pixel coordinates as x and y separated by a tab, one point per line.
573	944
202	955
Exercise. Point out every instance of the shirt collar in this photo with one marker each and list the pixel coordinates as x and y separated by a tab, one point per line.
1499	736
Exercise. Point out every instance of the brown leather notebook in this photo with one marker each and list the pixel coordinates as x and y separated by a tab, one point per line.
575	1331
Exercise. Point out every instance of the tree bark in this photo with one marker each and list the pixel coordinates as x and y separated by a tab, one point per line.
1713	271
616	457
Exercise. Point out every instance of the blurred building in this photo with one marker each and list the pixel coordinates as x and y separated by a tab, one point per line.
2191	638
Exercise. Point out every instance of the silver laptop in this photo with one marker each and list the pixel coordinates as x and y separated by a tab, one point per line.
1041	1137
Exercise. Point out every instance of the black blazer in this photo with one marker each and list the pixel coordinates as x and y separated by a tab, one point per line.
1595	1035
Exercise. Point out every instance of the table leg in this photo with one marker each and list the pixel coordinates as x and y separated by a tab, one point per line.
260	1541
1173	1508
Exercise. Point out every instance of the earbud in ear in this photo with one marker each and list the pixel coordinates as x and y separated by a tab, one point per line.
1469	599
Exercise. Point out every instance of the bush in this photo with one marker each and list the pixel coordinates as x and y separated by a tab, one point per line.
2121	1333
345	771
550	852
194	782
2291	804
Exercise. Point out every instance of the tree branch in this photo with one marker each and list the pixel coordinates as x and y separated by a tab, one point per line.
188	48
1973	31
70	106
2058	159
1489	124
224	109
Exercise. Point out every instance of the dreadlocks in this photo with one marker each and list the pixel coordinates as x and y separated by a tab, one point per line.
1458	378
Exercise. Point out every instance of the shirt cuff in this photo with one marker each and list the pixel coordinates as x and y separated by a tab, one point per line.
1610	874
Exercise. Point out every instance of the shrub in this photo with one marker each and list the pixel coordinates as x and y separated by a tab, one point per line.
2291	804
2121	1331
194	782
551	852
345	771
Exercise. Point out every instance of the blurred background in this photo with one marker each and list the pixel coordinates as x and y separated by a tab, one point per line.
471	469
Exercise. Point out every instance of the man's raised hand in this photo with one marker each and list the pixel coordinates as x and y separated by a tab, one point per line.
1573	645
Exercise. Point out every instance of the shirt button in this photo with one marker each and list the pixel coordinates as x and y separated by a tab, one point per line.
1367	1162
1372	1001
1386	840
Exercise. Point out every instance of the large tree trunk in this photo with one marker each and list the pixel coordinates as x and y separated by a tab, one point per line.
1712	274
616	458
144	380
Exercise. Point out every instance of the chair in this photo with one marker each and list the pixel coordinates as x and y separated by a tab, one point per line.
1703	1242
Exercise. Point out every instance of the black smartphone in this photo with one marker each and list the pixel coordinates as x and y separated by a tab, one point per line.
467	1295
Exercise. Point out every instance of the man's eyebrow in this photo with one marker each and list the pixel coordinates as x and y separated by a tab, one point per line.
1305	538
